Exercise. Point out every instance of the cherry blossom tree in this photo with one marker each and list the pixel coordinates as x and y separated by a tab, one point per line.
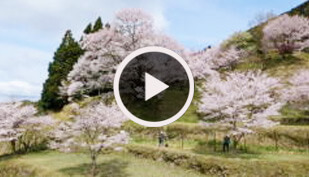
96	127
225	58
199	64
134	25
105	49
11	118
240	101
298	89
94	70
204	63
286	34
62	138
17	122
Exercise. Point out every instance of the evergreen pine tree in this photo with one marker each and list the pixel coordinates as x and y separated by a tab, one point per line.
64	58
98	25
88	29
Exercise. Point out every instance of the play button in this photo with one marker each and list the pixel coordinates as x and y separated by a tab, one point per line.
153	86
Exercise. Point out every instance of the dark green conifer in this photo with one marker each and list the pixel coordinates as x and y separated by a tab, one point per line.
88	29
64	58
97	25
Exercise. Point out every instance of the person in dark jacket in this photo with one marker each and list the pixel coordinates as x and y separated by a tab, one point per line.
162	138
226	143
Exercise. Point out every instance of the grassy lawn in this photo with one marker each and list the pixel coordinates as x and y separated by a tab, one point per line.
68	164
51	163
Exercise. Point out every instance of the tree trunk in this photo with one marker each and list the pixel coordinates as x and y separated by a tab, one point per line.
182	137
235	143
93	164
276	140
13	146
236	140
308	141
215	142
245	144
26	147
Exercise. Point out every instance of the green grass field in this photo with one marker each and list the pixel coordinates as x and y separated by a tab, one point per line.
49	163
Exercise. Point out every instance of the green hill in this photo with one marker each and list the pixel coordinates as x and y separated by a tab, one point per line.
302	9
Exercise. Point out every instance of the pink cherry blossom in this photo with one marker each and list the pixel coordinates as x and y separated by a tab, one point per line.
286	34
240	100
104	50
298	88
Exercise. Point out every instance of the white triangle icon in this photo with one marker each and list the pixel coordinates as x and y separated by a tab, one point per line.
153	86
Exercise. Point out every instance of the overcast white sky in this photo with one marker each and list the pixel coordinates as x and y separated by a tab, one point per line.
31	30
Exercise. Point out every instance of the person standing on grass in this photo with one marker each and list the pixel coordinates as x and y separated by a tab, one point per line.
226	143
162	138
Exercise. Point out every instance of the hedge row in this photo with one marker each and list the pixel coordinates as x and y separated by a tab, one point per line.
218	166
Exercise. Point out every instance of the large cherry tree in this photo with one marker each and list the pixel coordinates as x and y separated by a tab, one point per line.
130	30
240	101
286	34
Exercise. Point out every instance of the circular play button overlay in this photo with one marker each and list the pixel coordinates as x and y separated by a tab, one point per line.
153	86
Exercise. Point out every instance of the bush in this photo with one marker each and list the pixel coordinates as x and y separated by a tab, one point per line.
31	141
216	166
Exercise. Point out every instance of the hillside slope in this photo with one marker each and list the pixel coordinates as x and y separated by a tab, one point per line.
302	9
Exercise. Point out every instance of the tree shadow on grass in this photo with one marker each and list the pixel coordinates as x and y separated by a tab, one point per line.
111	168
5	157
